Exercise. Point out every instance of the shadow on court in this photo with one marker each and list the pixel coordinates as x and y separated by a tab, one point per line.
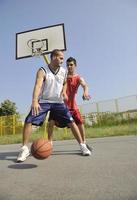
69	152
22	166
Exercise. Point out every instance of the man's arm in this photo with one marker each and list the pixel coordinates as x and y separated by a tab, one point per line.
64	89
84	85
64	92
36	91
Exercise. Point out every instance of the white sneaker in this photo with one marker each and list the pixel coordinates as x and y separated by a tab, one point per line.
85	151
23	154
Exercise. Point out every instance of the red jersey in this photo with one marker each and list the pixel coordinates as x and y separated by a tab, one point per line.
73	83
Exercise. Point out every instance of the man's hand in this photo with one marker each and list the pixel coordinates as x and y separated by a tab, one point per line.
64	96
35	107
86	97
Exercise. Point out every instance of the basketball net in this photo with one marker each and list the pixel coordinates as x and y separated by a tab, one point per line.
37	51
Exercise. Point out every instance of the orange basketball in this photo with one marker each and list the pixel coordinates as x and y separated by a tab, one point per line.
41	148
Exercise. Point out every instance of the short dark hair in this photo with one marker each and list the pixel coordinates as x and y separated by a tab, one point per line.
55	52
71	59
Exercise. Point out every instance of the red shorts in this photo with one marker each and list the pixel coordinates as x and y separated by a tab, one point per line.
76	116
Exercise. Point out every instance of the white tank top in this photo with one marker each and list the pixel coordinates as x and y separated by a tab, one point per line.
52	85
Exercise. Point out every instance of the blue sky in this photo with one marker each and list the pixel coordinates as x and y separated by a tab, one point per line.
100	34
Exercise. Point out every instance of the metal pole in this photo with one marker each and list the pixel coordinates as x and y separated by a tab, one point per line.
46	59
14	125
116	104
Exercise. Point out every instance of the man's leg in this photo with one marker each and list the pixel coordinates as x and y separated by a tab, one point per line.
75	130
50	128
27	130
82	131
79	121
24	152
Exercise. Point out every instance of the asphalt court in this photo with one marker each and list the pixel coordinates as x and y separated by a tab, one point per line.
110	173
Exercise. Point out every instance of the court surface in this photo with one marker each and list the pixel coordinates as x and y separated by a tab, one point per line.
110	173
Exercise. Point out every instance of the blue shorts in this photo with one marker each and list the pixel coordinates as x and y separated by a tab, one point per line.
62	124
61	113
58	122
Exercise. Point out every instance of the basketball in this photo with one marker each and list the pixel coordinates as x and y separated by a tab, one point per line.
41	149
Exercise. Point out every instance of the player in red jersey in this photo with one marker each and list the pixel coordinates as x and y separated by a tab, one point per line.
69	92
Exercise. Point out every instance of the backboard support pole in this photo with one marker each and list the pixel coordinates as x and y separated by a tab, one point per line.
46	59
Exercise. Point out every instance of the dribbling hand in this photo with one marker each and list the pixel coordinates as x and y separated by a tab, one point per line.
35	108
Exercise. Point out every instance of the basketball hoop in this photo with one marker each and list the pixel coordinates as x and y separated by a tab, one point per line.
37	53
36	47
40	41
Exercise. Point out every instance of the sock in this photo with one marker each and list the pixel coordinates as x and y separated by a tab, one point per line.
82	144
51	142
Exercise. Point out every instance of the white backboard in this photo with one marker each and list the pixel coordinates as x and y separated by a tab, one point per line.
51	37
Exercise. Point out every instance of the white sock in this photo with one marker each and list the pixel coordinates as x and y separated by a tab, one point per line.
82	144
51	143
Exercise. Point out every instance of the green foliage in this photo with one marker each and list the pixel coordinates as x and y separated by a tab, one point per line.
105	124
8	108
111	119
61	134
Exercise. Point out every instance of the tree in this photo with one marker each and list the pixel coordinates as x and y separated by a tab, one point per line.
8	108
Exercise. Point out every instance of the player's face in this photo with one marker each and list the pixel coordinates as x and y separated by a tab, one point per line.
60	58
71	67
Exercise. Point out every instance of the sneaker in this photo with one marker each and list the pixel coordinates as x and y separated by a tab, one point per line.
89	147
85	151
23	154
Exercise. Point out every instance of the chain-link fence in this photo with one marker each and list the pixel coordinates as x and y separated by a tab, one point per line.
122	104
11	124
114	110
